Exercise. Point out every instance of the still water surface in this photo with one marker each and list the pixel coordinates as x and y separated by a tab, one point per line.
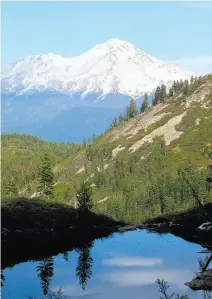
123	266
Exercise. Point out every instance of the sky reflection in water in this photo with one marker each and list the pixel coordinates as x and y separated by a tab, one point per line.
124	266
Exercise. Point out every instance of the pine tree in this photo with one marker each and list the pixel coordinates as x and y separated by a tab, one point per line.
177	86
121	118
154	101
84	142
171	92
115	122
192	79
162	93
84	200
94	137
144	106
174	87
132	109
186	87
157	95
46	182
89	140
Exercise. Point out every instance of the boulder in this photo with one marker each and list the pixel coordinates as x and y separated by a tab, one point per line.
202	282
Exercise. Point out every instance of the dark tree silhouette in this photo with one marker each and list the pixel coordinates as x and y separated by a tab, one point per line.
163	289
2	278
83	270
205	263
83	195
45	271
65	255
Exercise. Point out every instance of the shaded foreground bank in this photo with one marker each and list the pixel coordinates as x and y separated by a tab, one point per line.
33	229
38	230
191	225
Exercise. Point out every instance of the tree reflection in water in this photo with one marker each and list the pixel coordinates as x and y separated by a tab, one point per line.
45	271
84	265
65	256
45	268
2	278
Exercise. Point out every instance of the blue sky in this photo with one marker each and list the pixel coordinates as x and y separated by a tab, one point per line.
172	31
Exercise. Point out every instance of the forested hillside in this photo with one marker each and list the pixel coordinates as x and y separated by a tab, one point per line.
150	162
21	160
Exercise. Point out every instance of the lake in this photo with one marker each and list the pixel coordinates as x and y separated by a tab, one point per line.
122	266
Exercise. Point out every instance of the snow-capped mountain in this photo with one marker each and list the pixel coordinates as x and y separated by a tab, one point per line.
65	99
115	66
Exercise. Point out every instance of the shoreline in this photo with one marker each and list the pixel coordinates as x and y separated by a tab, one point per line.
43	230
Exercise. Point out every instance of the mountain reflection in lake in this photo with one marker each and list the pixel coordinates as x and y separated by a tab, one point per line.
123	266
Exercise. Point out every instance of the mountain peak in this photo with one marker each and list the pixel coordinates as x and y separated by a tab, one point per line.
116	44
115	66
114	40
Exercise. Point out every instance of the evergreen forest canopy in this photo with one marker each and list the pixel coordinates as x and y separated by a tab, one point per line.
157	178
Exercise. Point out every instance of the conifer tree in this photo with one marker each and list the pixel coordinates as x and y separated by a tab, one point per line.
121	118
157	95
84	142
84	200
46	182
171	92
174	87
115	122
192	79
153	101
89	140
186	87
163	93
132	109
177	86
144	106
94	137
